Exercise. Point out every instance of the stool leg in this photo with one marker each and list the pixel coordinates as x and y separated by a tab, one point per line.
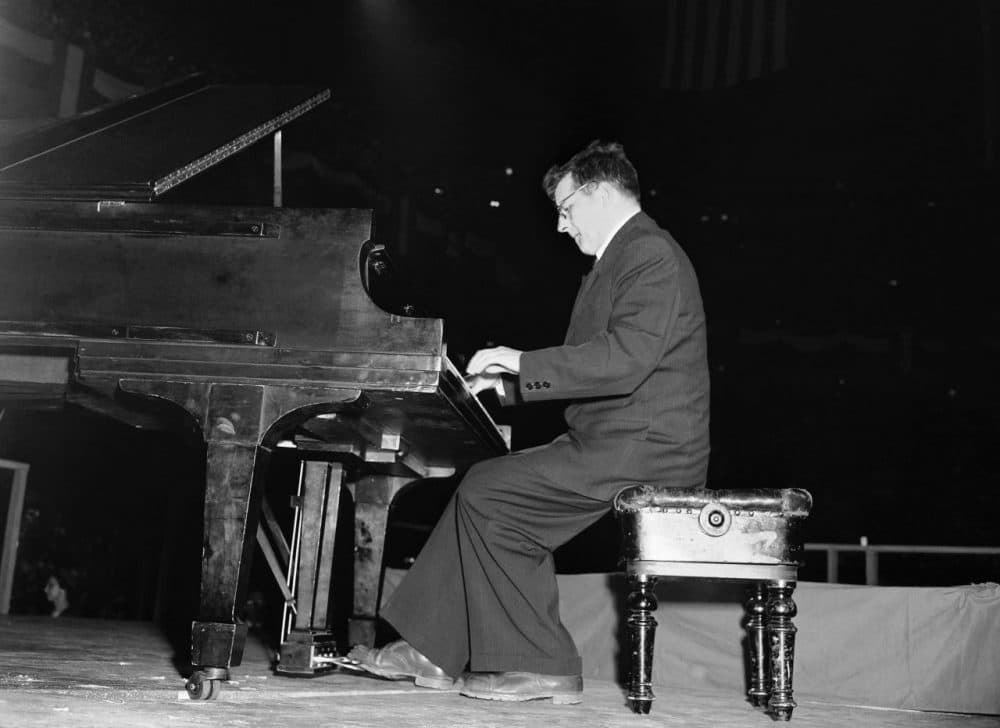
760	683
642	632
781	633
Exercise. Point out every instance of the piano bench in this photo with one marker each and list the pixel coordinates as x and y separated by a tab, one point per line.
745	535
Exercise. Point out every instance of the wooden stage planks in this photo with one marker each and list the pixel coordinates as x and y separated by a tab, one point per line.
87	673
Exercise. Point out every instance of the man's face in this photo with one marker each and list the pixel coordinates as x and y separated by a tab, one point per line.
580	214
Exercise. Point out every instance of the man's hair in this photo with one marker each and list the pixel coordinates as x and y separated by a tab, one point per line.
599	162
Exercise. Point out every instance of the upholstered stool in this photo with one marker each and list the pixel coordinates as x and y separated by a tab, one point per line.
748	535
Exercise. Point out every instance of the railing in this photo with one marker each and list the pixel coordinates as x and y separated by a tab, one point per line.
872	552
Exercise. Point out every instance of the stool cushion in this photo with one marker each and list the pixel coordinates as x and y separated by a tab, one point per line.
789	502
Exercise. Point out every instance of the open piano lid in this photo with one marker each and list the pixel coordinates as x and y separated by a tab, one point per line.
140	148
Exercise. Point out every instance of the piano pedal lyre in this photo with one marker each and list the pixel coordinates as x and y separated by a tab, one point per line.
303	567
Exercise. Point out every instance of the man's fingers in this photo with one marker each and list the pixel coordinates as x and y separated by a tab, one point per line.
481	360
480	383
499	360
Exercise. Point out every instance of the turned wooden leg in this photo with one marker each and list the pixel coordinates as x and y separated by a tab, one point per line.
642	633
757	645
781	633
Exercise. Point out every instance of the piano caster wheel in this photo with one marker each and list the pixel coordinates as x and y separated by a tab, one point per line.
201	687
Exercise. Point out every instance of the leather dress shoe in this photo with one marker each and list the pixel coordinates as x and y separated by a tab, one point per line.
398	661
516	686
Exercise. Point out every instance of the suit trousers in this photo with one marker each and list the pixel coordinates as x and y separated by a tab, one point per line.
482	592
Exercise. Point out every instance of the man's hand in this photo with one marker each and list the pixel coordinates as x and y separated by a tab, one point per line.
498	360
481	382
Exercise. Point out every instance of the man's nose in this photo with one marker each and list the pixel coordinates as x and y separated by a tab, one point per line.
563	225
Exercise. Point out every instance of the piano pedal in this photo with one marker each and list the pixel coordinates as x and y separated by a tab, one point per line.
346	663
306	654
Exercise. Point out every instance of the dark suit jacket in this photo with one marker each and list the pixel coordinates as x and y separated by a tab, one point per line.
634	362
633	366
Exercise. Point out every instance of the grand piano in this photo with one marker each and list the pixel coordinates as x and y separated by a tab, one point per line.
251	327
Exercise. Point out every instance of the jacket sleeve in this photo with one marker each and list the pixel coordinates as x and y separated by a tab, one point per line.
509	393
644	301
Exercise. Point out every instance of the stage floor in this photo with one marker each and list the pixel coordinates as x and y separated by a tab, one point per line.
90	673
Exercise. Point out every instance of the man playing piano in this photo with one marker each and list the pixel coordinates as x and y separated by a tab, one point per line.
482	595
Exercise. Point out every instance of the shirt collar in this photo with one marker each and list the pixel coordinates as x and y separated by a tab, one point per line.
614	231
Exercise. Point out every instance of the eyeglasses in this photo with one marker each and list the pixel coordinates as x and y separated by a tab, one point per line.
561	208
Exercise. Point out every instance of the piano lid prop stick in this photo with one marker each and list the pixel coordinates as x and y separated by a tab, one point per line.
277	168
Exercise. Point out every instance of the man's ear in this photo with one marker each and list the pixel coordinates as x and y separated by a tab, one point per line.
606	193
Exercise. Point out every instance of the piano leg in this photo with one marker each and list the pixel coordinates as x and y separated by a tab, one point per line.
373	495
233	490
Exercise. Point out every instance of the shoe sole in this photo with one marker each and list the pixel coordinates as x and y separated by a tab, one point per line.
557	698
423	681
434	683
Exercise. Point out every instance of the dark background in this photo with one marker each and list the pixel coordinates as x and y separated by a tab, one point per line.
840	211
